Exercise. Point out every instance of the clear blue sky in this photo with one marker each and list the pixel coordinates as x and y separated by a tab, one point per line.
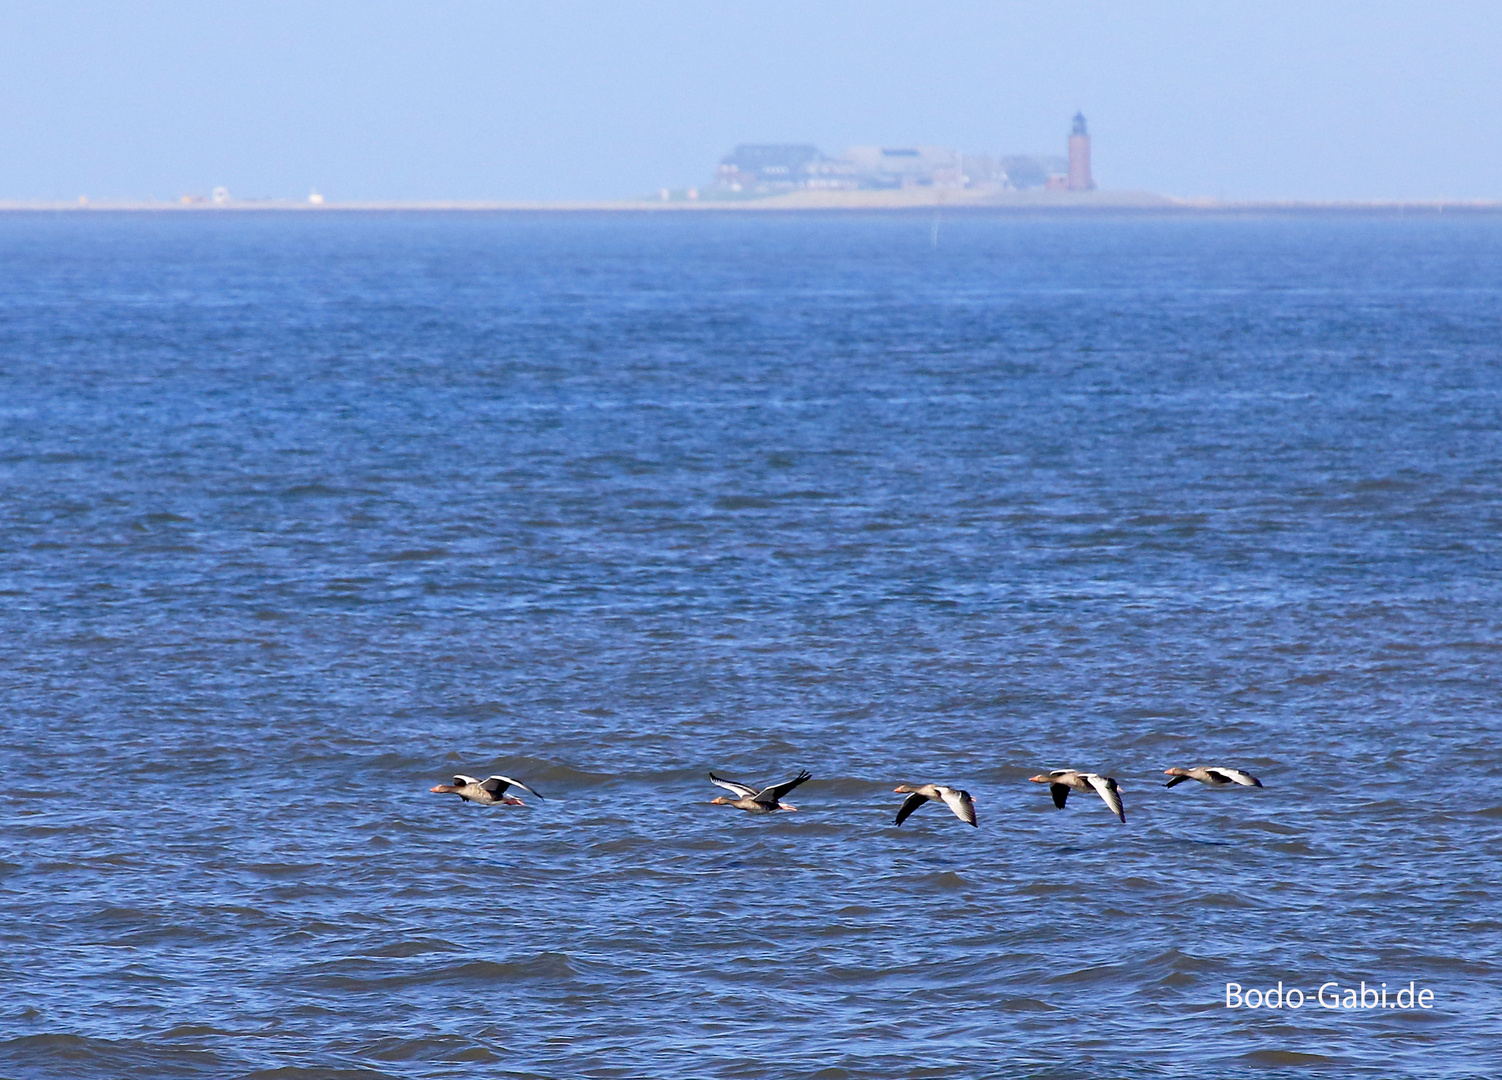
383	99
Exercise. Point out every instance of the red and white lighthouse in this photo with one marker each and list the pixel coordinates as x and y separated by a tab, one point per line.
1079	156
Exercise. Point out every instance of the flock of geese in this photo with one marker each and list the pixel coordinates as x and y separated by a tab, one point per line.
492	790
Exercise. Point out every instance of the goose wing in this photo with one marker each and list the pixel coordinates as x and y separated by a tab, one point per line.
961	803
496	784
460	780
1235	776
1176	780
777	791
740	790
1106	787
911	803
1060	793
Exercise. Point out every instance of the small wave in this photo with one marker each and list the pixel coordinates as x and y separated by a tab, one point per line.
441	1049
414	555
744	502
1093	973
1025	1004
1293	847
78	1055
300	871
943	881
297	1072
1225	901
1273	827
545	967
1282	1058
311	491
194	1031
415	947
116	916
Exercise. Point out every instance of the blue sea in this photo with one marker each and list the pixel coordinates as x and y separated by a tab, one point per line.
305	513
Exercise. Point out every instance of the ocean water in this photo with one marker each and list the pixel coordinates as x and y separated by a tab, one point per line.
304	513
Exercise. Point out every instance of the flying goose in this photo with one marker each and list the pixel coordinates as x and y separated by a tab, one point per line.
758	802
1060	781
488	792
1215	776
958	801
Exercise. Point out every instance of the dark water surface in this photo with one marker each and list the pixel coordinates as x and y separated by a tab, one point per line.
304	513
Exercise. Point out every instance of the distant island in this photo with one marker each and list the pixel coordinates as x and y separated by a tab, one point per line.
800	177
874	174
926	200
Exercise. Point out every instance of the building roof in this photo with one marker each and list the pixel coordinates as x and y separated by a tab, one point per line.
771	157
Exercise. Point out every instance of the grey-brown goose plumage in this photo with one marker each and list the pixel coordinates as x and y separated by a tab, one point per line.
488	792
763	801
1062	781
1214	775
918	794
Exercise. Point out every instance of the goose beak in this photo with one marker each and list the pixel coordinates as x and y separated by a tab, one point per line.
443	788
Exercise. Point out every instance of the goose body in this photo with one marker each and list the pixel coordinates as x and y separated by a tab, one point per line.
1213	775
748	798
918	794
1062	781
488	792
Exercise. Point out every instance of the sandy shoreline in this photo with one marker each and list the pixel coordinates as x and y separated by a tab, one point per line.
919	199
